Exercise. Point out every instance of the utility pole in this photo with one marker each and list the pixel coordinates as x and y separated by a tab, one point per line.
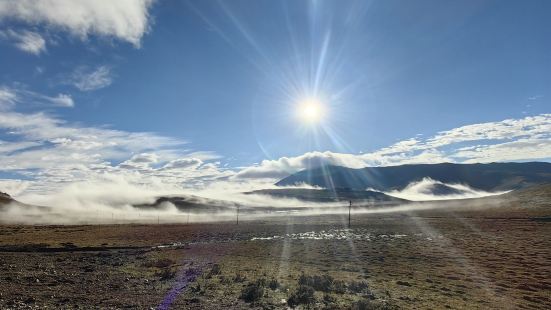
349	209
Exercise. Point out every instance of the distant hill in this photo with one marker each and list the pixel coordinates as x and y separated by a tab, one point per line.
5	198
325	195
189	203
487	177
438	189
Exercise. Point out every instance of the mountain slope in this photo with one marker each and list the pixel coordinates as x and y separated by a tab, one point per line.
488	177
5	198
189	203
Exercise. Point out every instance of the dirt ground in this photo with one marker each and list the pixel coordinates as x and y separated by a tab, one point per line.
498	258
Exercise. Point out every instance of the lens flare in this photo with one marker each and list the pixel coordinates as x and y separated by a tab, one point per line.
311	110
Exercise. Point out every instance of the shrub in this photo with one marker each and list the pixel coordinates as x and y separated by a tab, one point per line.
261	282
252	292
238	278
365	304
362	305
328	299
215	270
273	284
358	287
166	274
304	295
304	280
339	287
322	283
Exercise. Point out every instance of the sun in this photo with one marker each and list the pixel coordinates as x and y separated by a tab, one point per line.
311	110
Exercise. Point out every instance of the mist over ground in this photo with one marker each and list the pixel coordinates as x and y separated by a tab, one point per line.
114	200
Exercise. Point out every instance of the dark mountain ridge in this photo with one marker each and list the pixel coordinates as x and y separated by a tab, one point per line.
487	177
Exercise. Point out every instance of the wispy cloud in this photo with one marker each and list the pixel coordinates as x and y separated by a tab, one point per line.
126	20
10	96
86	79
62	100
536	97
27	41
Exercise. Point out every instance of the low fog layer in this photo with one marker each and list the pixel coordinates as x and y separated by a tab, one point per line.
113	200
429	189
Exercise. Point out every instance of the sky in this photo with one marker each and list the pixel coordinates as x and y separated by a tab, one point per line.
190	94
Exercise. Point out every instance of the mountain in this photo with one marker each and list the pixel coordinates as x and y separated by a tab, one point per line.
439	189
189	203
325	195
487	177
5	198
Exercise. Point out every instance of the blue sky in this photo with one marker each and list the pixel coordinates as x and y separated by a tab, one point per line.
210	90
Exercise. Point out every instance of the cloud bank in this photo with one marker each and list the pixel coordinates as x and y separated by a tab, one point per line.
42	155
126	20
429	189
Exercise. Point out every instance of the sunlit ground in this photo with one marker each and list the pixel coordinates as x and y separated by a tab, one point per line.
470	257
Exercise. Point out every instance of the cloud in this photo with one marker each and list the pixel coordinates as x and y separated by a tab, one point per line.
183	163
62	100
88	80
273	169
126	20
140	161
51	153
428	189
522	149
27	41
527	138
13	187
10	96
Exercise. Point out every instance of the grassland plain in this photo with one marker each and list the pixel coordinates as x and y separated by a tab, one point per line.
462	256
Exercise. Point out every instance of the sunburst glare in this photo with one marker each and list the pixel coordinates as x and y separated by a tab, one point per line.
311	110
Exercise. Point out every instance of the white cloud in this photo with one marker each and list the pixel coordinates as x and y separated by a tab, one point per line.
503	130
140	161
53	153
10	96
522	149
62	100
13	187
183	163
126	20
424	190
87	80
27	41
527	138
